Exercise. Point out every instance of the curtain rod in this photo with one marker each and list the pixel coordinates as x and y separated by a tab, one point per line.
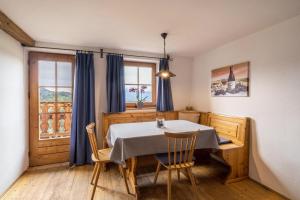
101	52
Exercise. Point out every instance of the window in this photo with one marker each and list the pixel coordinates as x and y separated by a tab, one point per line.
140	83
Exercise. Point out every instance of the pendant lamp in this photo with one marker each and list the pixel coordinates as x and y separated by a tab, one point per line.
165	73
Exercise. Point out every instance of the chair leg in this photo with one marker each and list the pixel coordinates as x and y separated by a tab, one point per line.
192	178
178	174
125	178
187	174
169	184
120	170
157	172
94	173
96	181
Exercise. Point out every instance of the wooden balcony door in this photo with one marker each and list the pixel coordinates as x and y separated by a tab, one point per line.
50	93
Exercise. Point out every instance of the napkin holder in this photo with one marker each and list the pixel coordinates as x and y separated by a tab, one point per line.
160	123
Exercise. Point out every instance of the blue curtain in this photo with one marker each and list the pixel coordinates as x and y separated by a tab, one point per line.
115	84
164	94
83	108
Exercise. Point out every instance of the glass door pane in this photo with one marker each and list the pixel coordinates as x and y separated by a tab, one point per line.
55	99
64	74
46	73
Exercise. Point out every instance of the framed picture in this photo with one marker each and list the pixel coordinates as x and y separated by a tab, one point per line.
230	80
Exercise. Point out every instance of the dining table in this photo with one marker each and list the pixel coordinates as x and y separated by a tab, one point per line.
131	140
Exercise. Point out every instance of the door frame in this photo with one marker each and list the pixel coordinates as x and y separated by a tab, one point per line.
43	152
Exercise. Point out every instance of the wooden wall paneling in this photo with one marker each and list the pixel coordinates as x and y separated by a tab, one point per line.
193	116
204	118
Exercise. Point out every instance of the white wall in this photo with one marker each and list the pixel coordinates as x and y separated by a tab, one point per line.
273	105
13	112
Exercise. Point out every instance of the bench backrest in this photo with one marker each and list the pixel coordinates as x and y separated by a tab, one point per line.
233	128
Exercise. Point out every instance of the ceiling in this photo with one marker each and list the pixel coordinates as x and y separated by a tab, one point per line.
194	26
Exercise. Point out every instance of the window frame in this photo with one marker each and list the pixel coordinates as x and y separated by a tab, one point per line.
153	85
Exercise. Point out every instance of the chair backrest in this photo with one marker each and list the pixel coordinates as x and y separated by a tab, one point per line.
92	138
184	144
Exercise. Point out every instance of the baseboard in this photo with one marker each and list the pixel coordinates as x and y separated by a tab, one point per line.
268	188
6	191
242	178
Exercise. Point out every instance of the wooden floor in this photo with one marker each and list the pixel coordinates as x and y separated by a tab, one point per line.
62	182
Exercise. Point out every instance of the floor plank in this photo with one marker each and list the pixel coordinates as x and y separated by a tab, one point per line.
65	183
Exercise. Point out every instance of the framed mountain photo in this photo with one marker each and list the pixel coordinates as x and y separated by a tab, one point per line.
232	80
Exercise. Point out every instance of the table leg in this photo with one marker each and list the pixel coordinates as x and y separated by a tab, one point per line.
131	173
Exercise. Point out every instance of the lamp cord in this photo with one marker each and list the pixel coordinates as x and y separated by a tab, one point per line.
164	47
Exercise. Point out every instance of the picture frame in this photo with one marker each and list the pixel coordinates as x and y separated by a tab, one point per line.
230	81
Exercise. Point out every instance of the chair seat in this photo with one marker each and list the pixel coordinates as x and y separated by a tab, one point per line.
222	140
163	158
104	155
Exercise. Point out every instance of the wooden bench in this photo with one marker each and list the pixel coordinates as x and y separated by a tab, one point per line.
236	154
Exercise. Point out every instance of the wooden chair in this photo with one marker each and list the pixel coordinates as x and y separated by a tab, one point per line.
180	157
100	157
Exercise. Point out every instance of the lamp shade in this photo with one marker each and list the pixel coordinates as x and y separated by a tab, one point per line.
165	74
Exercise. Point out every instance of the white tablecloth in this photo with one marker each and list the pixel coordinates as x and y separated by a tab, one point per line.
145	138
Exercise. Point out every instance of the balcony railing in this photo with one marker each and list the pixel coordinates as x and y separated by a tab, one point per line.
55	120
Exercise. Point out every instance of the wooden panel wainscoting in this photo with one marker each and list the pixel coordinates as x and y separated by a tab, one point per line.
189	115
203	118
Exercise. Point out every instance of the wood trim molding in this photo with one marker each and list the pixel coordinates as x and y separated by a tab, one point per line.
15	31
